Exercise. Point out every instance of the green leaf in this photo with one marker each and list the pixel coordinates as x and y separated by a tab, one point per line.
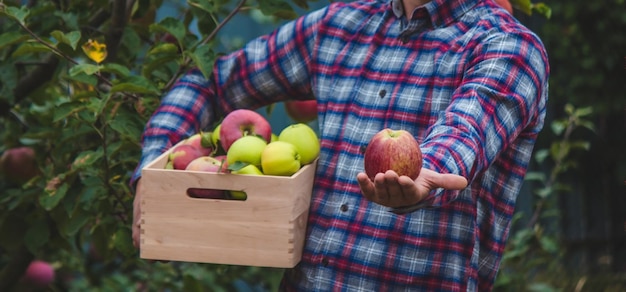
164	48
543	9
587	124
204	5
78	219
88	69
172	26
117	69
19	14
86	159
126	126
71	38
541	155
540	287
237	165
544	192
558	126
204	58
136	84
270	109
12	37
37	235
277	8
67	109
158	63
535	176
123	241
30	48
51	198
83	78
12	230
583	111
584	145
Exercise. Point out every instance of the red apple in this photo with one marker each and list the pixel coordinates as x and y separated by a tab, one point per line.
506	5
206	163
19	165
183	154
301	111
207	193
39	274
243	122
395	150
202	141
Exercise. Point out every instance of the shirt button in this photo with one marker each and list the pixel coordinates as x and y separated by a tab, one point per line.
382	93
363	148
325	262
343	208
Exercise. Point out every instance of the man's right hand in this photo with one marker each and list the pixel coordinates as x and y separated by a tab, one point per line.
137	215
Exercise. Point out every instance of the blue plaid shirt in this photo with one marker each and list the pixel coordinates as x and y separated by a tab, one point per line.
467	79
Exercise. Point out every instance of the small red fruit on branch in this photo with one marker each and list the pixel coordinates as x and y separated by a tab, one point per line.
395	150
19	164
301	111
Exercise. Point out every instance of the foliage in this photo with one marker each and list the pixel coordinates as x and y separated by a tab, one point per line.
533	256
587	71
78	81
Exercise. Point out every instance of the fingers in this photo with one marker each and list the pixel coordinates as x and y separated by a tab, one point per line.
389	189
446	181
366	185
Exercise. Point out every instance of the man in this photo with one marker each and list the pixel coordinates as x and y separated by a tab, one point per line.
463	76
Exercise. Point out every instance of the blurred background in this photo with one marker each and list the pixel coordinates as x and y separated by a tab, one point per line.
66	202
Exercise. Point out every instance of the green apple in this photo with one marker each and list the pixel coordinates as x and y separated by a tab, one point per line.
274	137
246	170
246	149
304	138
215	135
280	158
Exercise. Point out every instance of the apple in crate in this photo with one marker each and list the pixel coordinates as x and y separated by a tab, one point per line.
243	122
395	150
206	164
280	158
202	141
246	149
304	138
183	154
246	170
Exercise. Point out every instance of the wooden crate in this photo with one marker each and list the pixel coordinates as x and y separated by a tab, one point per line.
267	229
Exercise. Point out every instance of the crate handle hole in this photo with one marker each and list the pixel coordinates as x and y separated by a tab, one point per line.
202	193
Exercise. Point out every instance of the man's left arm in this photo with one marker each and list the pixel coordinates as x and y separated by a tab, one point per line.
503	93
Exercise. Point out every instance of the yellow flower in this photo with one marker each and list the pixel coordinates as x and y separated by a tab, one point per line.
95	50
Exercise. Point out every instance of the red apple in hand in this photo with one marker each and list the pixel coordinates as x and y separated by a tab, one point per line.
243	122
301	111
395	150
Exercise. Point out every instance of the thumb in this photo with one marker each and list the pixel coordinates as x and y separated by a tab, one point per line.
446	181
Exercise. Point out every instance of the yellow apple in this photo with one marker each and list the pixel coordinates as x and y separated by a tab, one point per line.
280	158
304	138
246	170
